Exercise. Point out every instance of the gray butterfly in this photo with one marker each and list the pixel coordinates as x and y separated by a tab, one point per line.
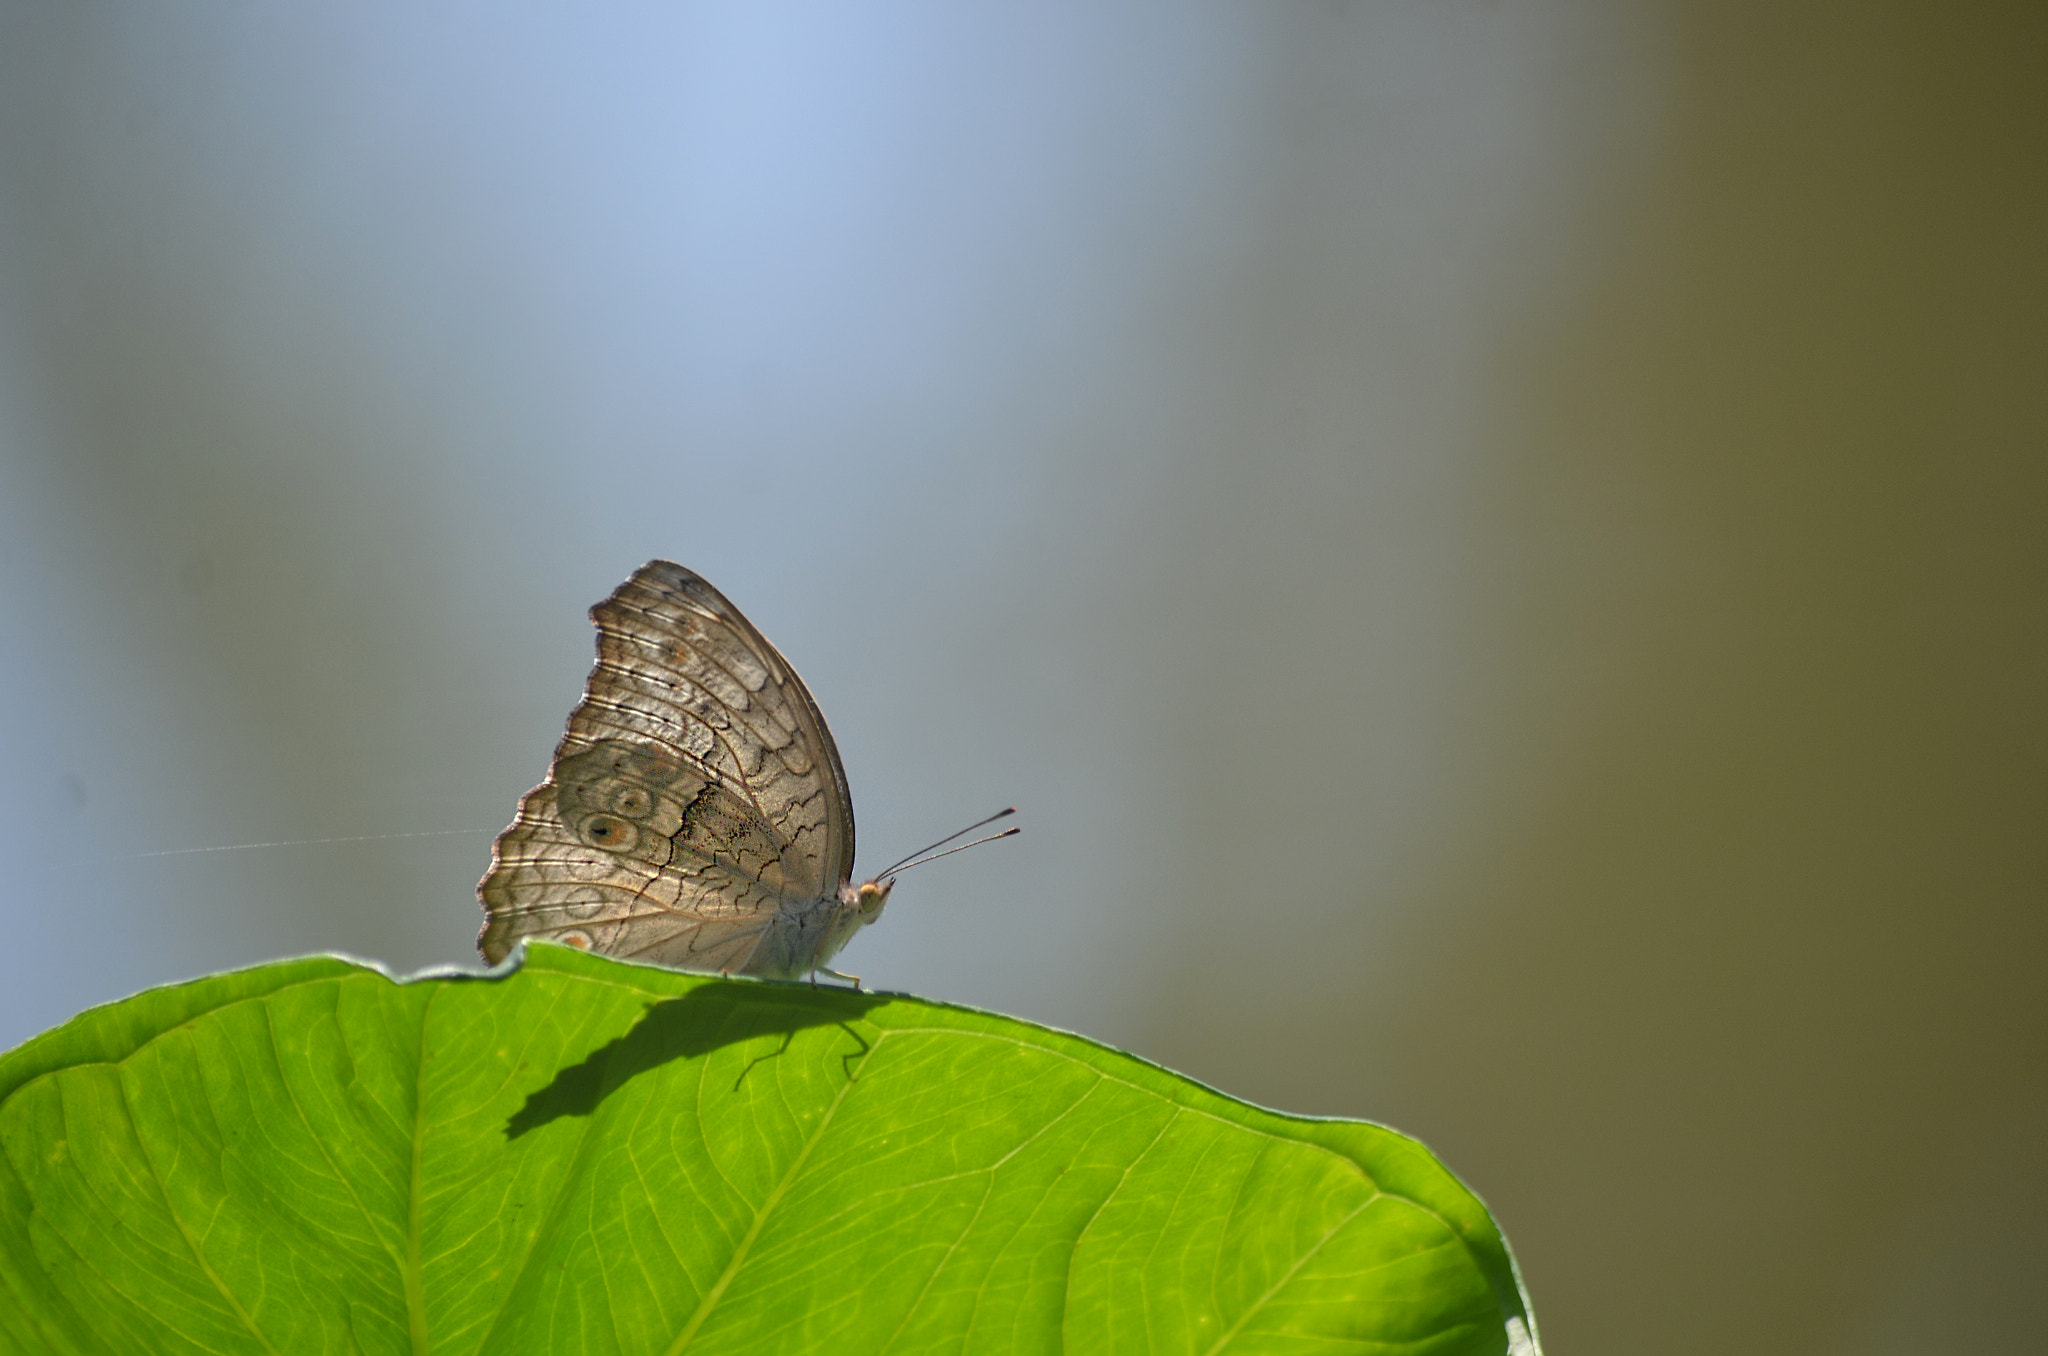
696	814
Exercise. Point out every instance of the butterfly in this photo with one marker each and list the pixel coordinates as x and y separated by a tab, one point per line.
696	814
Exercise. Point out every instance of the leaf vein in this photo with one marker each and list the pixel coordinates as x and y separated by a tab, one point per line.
192	1244
767	1207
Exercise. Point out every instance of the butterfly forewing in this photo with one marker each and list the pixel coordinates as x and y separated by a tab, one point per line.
696	793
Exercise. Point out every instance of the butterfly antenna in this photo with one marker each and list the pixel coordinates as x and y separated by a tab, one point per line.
920	861
906	862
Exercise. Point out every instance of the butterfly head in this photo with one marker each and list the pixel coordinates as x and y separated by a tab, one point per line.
867	898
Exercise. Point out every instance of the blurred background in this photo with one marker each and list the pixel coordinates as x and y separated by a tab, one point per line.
1500	547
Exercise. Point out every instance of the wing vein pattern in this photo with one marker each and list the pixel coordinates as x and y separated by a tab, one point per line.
695	797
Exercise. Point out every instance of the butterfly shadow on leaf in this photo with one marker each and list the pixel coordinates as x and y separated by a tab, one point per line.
707	1018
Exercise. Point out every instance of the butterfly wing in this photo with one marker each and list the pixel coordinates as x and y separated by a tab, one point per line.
696	794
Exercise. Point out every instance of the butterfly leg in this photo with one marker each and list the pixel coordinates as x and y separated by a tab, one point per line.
824	970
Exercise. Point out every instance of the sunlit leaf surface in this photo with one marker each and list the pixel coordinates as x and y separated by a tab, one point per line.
588	1156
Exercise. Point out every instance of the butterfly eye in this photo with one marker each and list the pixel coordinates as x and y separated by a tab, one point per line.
609	832
633	802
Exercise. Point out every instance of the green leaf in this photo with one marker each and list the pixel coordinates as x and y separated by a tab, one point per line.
582	1155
